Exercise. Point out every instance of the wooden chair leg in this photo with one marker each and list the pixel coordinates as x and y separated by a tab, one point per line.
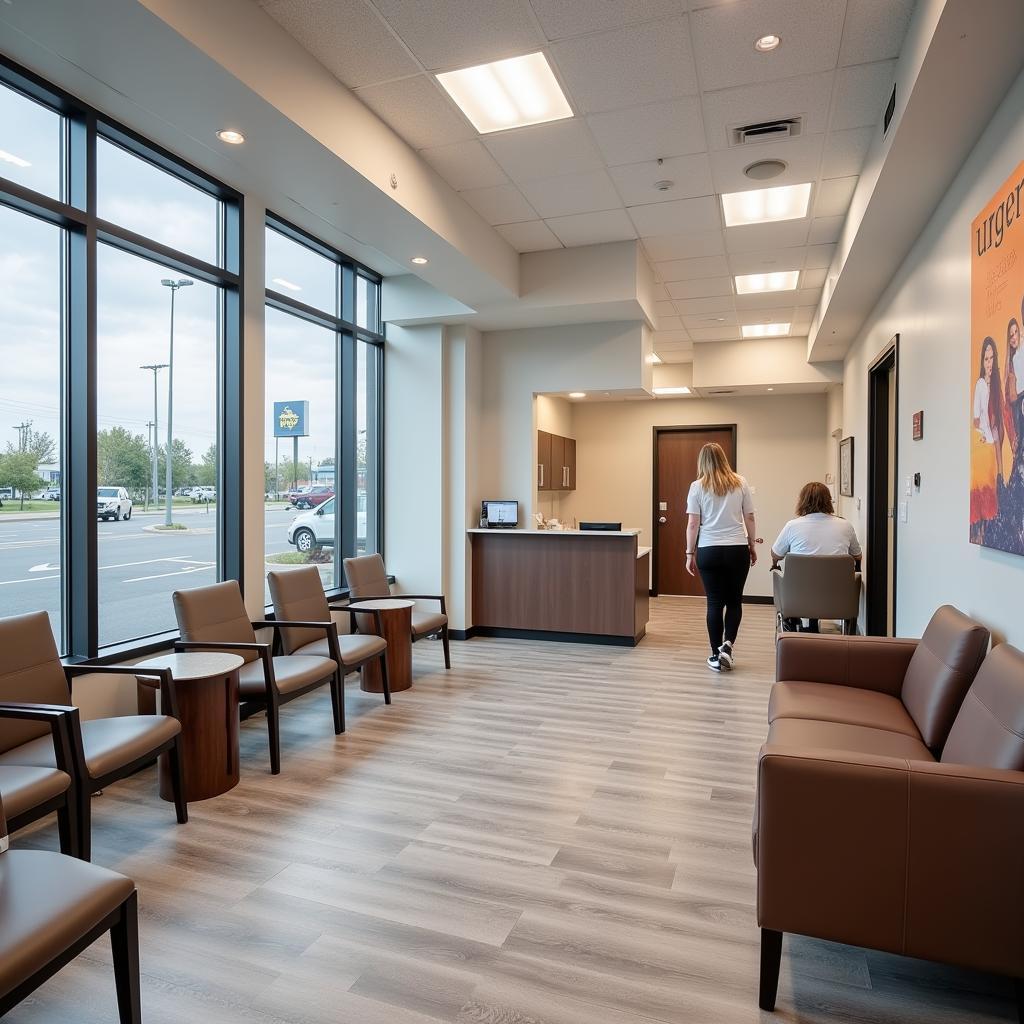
67	827
124	943
274	735
178	781
83	816
771	959
338	701
384	677
447	652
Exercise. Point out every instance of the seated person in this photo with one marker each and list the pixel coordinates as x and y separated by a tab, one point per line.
817	530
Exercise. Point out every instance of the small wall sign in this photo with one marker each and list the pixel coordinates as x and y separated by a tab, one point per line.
918	425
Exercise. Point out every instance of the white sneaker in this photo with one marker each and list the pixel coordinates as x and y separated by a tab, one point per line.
725	656
714	663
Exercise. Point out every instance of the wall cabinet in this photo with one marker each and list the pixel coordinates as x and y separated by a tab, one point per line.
556	462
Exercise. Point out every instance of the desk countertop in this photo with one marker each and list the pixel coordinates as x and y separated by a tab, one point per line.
556	533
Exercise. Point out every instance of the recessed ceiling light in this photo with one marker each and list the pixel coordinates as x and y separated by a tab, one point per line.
419	260
230	136
507	93
671	391
10	158
765	330
778	281
577	394
769	389
767	43
284	283
764	205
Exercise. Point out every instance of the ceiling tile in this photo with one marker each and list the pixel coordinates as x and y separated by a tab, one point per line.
703	287
671	338
692	269
669	323
628	67
661	248
723	333
755	237
572	193
813	278
808	296
530	236
874	30
764	302
660	293
460	33
802	156
825	229
465	165
724	317
845	152
691	176
765	315
500	204
805	95
724	40
834	195
862	93
766	261
664	309
561	18
672	128
417	110
545	150
592	228
682	215
717	304
819	256
347	37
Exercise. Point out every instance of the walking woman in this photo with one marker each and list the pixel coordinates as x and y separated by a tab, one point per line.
720	537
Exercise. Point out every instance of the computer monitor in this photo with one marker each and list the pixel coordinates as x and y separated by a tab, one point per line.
606	527
501	515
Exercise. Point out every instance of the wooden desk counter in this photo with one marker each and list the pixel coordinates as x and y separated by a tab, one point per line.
576	585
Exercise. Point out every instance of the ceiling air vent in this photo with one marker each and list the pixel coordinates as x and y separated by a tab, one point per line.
730	391
765	131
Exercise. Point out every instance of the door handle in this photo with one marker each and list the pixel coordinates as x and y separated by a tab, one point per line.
540	467
565	476
662	519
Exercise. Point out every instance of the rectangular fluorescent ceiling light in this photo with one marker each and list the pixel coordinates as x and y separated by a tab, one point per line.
764	205
765	330
780	281
507	93
671	391
10	158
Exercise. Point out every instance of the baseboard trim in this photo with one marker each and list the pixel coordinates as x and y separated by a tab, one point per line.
462	634
503	633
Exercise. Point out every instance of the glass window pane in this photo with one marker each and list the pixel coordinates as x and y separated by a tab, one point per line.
300	273
300	455
31	255
140	561
136	195
30	143
367	304
367	447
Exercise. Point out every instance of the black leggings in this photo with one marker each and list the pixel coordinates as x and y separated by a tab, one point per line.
723	571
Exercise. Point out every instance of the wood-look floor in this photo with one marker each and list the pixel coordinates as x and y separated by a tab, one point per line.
547	834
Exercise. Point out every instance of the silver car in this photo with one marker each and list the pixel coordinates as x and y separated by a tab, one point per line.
113	503
313	530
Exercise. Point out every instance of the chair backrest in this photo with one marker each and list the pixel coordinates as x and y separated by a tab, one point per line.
941	671
215	613
4	841
298	594
366	576
820	587
30	673
989	730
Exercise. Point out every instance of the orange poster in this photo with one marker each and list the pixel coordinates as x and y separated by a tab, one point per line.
997	370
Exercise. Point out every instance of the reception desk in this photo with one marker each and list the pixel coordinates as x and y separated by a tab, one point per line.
575	585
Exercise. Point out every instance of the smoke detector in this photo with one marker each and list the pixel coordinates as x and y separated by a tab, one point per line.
664	185
762	170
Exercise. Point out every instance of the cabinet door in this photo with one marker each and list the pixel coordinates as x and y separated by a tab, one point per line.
570	463
557	462
543	460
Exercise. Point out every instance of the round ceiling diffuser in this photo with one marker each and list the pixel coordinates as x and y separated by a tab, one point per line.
762	170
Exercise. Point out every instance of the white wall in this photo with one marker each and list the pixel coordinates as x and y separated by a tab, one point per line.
928	305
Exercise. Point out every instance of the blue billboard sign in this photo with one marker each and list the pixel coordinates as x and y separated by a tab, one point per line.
291	419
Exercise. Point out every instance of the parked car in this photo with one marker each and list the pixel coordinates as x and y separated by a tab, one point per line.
49	494
313	530
200	494
113	503
316	495
295	493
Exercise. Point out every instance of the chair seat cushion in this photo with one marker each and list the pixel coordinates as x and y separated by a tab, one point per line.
353	647
23	787
424	622
824	702
47	903
292	672
838	736
110	743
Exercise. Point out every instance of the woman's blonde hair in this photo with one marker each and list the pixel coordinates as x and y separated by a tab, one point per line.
714	472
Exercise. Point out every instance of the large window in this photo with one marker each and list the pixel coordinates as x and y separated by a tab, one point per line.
323	402
120	346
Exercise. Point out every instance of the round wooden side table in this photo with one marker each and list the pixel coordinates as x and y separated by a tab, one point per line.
206	684
396	628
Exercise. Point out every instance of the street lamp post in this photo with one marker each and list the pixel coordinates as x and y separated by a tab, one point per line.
183	282
156	368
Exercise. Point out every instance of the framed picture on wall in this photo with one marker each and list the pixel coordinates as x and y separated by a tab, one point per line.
846	467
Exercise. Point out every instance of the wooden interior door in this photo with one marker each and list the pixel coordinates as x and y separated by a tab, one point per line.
676	452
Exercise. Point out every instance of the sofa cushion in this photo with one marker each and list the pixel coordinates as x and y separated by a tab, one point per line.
989	730
941	671
824	702
840	736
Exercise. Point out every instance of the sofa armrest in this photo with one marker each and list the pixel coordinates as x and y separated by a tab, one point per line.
867	662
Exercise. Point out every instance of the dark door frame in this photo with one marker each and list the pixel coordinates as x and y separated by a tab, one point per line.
687	429
877	546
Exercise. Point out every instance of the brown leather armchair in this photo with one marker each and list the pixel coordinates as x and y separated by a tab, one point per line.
818	587
100	751
214	618
890	798
367	578
51	908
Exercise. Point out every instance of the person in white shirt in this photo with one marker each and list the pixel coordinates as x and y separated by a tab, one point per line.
720	537
1014	381
816	530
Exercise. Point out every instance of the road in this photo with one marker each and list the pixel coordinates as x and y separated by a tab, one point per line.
138	569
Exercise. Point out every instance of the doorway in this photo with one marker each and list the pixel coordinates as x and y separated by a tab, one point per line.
675	468
883	491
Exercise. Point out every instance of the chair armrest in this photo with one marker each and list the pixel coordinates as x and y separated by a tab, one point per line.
424	597
330	628
168	693
61	719
867	662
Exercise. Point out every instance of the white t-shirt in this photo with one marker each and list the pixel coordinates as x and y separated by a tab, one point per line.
721	516
817	534
981	399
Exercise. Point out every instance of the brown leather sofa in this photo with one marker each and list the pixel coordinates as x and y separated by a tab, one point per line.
890	798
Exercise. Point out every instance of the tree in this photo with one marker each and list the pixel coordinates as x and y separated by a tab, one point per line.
39	443
205	472
182	472
122	459
18	470
269	480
